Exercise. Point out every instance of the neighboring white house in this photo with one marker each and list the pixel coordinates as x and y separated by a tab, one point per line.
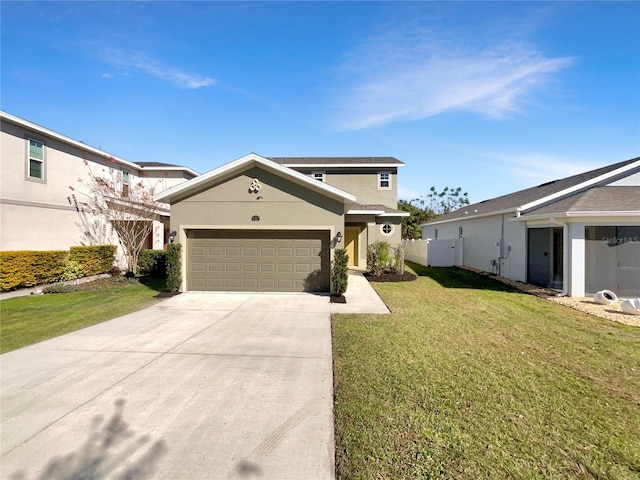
579	234
39	165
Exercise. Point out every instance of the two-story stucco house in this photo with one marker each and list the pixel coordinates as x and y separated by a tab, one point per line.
39	165
271	224
579	234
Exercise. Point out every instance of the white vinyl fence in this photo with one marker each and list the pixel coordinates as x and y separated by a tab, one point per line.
416	251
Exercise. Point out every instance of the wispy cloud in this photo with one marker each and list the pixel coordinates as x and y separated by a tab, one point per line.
537	167
145	64
411	74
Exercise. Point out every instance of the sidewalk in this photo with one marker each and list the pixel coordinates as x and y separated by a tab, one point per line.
360	296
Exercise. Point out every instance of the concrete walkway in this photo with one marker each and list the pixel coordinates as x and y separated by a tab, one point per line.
199	386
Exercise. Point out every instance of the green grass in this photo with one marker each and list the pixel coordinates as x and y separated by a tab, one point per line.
28	320
468	379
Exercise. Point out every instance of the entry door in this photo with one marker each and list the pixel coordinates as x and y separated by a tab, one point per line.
544	257
351	244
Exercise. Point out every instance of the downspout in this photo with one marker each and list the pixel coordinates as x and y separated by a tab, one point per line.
565	256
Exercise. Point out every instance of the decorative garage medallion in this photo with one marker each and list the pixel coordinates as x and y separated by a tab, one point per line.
255	186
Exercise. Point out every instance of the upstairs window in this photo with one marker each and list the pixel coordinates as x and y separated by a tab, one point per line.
384	181
125	182
318	176
35	165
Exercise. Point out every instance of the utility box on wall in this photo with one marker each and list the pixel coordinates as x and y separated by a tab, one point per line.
445	252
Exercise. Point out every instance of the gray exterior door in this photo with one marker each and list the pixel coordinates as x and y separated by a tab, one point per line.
258	260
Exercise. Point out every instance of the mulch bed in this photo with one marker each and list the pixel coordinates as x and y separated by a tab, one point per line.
391	277
338	299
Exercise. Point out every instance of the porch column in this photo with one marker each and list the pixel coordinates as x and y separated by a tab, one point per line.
576	274
157	235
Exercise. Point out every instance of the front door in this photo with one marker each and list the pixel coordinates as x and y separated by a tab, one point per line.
351	244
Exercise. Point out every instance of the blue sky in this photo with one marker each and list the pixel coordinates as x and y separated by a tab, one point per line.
489	96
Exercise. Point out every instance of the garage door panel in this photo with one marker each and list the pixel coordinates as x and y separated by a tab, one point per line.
198	267
258	260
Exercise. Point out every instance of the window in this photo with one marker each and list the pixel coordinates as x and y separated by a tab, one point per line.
318	176
125	182
384	181
35	167
386	229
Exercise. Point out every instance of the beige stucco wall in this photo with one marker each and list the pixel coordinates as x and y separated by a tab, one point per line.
279	202
36	215
361	182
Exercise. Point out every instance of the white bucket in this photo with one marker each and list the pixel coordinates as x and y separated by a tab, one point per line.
605	297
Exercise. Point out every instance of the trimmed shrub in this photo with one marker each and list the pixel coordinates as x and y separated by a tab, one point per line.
378	258
340	271
59	288
153	263
72	270
94	259
27	268
174	267
381	258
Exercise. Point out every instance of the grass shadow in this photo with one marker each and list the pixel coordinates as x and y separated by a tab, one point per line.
111	450
158	284
454	277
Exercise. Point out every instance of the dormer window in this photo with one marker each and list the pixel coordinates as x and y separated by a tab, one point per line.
384	181
318	176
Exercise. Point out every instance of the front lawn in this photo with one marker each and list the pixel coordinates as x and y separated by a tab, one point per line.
28	320
468	379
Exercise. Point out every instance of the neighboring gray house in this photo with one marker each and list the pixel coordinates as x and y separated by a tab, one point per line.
271	224
39	165
579	234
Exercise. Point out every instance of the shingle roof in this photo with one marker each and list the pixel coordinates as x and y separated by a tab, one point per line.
521	198
598	199
155	164
335	160
370	207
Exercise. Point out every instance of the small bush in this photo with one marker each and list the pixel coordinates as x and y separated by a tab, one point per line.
153	263
383	258
59	288
340	271
174	267
114	271
72	270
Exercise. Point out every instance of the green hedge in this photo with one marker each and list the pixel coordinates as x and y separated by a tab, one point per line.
174	267
153	263
340	271
27	268
94	259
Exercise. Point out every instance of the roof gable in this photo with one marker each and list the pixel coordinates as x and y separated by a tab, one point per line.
544	194
212	177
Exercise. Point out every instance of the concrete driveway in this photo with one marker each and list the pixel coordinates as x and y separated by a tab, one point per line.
198	386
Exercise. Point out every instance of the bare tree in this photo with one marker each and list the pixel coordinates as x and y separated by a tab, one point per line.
127	206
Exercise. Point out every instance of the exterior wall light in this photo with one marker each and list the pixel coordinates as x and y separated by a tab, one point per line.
172	236
339	237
